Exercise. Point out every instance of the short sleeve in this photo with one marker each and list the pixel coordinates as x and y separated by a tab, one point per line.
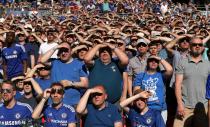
138	80
159	122
23	54
82	72
71	116
179	69
129	69
208	88
116	115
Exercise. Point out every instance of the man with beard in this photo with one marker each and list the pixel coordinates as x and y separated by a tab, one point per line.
12	112
99	113
190	87
57	114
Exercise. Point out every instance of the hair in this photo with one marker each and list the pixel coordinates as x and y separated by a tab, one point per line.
8	82
101	50
57	84
100	85
194	38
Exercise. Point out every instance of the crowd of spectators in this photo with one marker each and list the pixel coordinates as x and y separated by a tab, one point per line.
104	63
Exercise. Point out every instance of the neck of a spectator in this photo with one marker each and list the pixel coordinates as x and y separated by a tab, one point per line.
100	107
10	104
196	59
57	106
22	42
142	56
28	95
151	71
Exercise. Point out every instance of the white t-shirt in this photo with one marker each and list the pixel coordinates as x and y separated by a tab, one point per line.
44	47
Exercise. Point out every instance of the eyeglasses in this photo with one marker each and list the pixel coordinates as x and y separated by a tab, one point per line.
197	44
6	90
59	91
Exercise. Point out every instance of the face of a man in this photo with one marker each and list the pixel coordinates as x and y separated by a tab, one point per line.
98	99
27	88
57	94
65	53
184	44
196	47
105	57
81	54
50	37
7	92
21	38
142	48
153	50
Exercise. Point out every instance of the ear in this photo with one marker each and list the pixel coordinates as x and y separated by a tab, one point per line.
106	96
14	92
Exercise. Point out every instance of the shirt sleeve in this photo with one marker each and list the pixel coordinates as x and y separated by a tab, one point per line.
129	69
116	115
208	88
179	69
71	116
159	122
82	72
138	80
23	54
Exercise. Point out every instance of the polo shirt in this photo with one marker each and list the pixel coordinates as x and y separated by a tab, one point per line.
194	81
102	118
59	117
152	118
17	116
110	76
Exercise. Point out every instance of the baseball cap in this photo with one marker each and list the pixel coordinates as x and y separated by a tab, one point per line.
139	41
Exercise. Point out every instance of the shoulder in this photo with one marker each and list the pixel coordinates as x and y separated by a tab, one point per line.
20	46
69	107
24	105
1	105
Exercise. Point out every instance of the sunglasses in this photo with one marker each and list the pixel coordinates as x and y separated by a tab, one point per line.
119	44
96	94
63	50
6	90
141	44
59	91
195	45
43	68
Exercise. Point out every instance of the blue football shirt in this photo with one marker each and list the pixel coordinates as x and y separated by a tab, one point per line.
19	115
59	117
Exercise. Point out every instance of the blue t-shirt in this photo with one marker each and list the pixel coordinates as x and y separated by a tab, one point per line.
68	71
59	117
19	115
44	83
13	57
152	118
153	83
208	88
102	118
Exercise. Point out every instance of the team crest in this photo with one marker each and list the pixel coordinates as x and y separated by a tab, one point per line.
17	115
63	115
14	52
149	120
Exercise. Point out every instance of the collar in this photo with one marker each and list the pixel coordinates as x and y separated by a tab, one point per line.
191	60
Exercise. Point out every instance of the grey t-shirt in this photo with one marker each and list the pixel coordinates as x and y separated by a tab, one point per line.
31	101
194	81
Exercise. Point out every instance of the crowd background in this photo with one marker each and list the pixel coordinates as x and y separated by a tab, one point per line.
137	28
